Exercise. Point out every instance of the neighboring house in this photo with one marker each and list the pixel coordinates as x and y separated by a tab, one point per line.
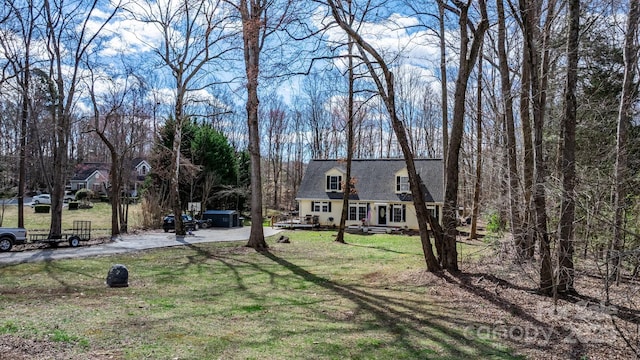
381	198
95	176
141	168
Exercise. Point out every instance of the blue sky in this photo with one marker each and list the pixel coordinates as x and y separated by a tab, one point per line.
127	38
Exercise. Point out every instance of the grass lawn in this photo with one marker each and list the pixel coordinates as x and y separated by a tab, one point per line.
311	299
99	215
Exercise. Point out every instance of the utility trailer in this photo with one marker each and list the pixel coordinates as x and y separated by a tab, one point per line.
81	232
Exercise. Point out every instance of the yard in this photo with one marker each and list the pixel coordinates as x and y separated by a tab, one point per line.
310	299
99	215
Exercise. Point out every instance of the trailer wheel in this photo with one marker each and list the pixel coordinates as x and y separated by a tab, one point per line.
74	241
5	243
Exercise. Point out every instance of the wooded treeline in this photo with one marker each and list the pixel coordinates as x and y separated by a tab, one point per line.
532	104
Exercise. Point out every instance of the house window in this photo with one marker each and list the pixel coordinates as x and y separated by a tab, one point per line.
334	183
321	206
402	184
435	213
398	213
357	211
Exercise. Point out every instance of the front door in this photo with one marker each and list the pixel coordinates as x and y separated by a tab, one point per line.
382	215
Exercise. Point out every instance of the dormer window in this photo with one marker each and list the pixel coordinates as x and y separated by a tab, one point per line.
402	184
334	183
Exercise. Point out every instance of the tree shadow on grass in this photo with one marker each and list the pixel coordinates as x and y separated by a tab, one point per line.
403	320
379	248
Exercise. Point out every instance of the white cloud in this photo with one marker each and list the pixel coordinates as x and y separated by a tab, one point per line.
394	37
128	37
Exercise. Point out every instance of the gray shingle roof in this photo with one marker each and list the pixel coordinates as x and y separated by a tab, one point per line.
84	170
375	179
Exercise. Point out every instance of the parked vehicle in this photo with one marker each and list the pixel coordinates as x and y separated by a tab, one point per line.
46	198
41	199
68	196
204	223
12	236
169	223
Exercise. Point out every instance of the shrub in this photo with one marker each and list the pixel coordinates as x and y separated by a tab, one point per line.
84	194
42	208
494	223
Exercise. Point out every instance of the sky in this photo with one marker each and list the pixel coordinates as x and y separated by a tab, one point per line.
128	42
125	37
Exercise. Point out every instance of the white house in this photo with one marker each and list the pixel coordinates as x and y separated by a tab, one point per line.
381	198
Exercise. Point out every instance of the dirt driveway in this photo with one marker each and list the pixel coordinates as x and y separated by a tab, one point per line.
130	243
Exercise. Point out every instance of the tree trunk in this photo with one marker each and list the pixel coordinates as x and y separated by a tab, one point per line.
468	56
478	180
251	12
538	57
625	115
114	179
350	114
566	271
60	159
116	189
176	153
512	166
528	168
443	82
24	118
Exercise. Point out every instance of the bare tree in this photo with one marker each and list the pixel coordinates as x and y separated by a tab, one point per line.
260	19
193	37
65	55
625	113
527	161
566	272
277	122
477	187
251	13
468	56
16	46
117	122
443	80
350	115
316	92
537	54
507	100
